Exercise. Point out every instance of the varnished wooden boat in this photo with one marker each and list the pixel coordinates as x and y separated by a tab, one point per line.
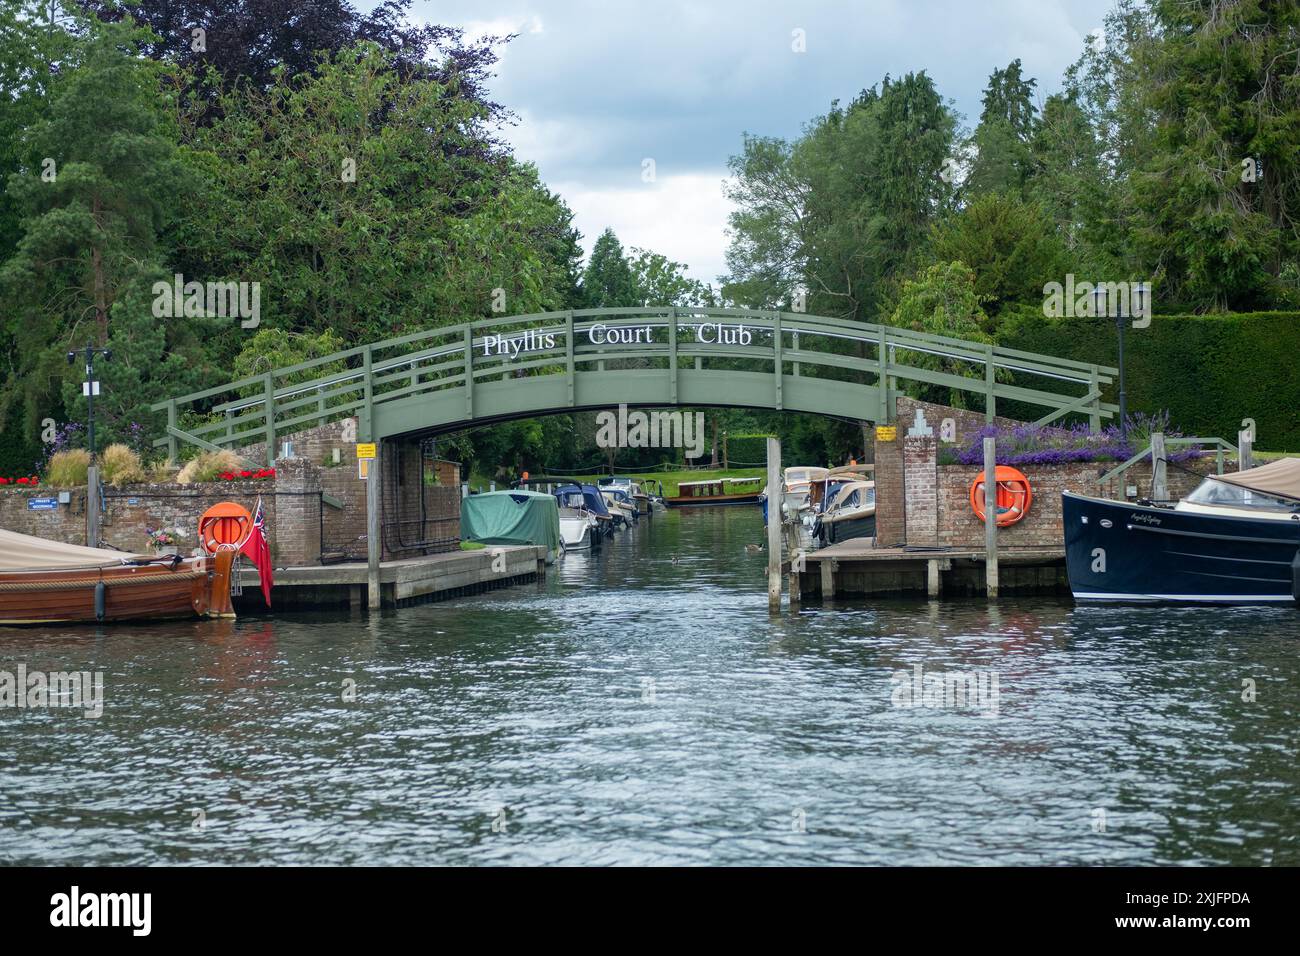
716	491
47	582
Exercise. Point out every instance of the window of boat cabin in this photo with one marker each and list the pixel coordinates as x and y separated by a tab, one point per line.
1223	494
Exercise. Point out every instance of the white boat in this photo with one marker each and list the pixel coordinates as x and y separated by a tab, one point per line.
797	482
620	508
576	528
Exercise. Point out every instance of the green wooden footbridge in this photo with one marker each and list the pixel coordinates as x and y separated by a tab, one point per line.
522	366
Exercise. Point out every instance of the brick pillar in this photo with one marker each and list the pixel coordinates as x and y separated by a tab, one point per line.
297	513
920	475
891	529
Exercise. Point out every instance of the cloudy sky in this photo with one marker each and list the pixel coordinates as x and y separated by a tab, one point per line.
601	86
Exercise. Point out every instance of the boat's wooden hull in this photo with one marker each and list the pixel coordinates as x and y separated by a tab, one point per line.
195	587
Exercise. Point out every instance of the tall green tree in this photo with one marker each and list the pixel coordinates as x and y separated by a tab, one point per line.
941	301
608	281
389	218
661	281
1010	246
1069	183
845	211
1001	140
1224	85
101	181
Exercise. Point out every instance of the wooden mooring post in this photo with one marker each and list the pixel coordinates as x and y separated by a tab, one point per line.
774	524
92	507
374	529
1159	473
1245	451
991	517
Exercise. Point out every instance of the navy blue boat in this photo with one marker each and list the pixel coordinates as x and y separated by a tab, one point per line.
1234	540
587	497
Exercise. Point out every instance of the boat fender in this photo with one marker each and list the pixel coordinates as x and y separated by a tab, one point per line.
99	600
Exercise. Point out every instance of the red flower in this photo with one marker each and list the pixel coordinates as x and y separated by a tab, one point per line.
4	481
22	481
246	474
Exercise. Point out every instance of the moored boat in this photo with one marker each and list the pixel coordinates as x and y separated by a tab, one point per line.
512	517
715	491
48	582
1234	540
850	513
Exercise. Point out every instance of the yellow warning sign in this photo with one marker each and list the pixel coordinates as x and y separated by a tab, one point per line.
366	451
886	433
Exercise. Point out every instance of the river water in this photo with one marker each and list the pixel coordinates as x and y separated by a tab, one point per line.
641	707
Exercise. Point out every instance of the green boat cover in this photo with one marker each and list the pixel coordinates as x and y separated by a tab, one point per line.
511	517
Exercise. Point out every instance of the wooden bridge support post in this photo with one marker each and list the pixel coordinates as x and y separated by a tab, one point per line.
374	529
1159	474
991	517
774	524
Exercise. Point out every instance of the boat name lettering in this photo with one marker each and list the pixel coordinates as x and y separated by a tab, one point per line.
1145	519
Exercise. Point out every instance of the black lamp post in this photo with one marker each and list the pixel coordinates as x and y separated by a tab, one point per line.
1119	329
91	388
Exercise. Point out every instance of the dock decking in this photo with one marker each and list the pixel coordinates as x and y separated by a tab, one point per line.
857	567
403	581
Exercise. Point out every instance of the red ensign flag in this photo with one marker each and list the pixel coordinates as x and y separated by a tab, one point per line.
257	548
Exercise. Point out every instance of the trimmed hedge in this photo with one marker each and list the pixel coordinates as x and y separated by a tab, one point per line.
749	448
1209	371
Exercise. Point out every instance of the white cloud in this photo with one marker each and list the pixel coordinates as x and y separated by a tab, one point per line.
682	217
597	86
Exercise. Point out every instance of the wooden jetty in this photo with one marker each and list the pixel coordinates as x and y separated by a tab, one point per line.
857	567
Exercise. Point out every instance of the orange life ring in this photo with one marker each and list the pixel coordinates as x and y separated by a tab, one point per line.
1015	495
224	526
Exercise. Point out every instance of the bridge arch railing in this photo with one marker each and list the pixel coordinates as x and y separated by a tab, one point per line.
794	350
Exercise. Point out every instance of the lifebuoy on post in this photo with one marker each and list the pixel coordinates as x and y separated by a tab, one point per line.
224	526
1014	496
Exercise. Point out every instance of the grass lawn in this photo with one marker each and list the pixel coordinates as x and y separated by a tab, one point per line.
672	478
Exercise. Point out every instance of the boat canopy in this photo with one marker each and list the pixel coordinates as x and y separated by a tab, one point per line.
511	517
22	552
592	499
1280	478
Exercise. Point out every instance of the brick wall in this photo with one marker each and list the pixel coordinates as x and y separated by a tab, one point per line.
65	523
920	502
959	528
131	510
899	512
